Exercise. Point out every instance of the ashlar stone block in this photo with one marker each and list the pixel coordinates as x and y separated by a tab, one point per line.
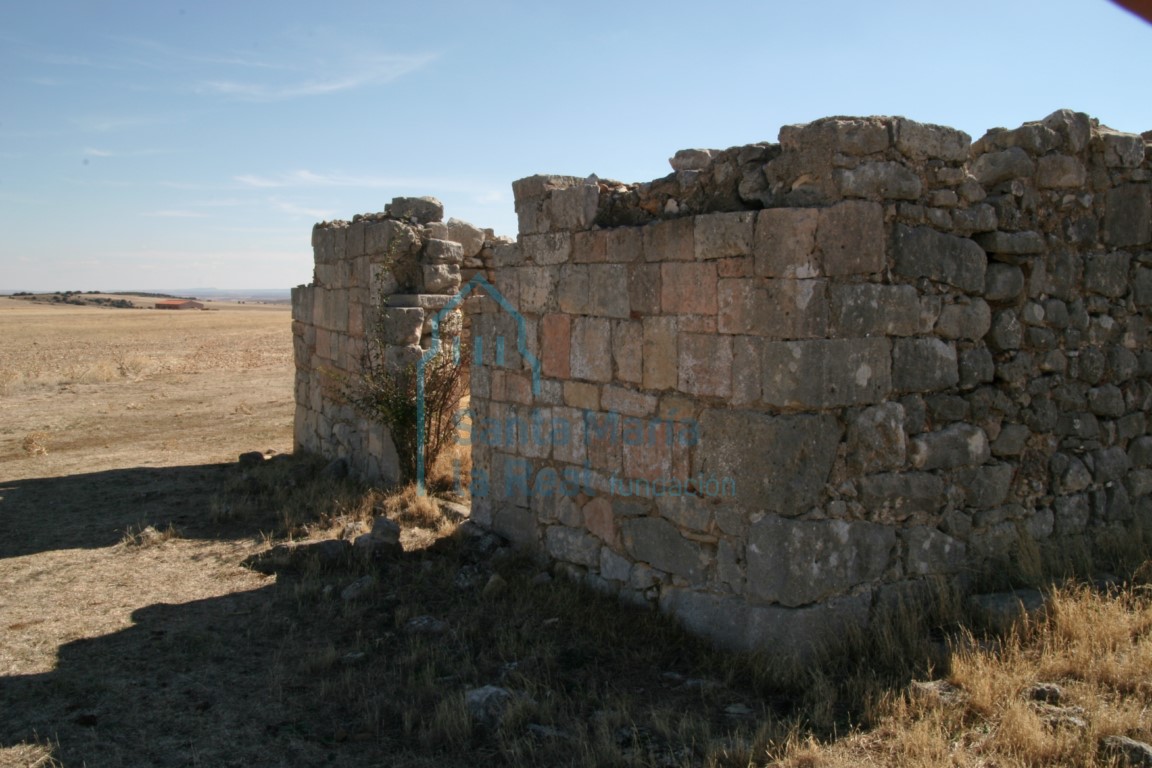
797	562
825	373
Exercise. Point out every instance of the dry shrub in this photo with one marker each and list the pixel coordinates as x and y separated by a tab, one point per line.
140	536
35	443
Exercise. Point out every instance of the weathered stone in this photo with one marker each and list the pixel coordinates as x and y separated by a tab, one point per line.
879	180
1006	333
932	552
1069	475
401	326
978	218
442	252
705	364
795	562
1128	215
922	141
686	511
850	238
614	567
958	445
1071	514
1106	400
1121	150
1011	243
691	159
1140	452
471	238
688	288
1059	172
868	309
657	542
826	373
590	353
876	439
964	321
1003	282
441	278
992	168
1011	441
985	487
788	634
777	463
571	545
1110	464
724	235
976	366
1126	752
924	252
781	308
1074	127
422	210
923	365
1107	273
785	242
904	494
488	705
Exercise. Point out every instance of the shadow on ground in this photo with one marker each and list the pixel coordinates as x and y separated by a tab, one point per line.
92	511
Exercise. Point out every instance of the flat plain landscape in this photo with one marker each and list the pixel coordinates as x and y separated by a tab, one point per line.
149	615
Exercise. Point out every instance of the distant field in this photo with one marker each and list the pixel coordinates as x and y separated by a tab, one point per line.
155	385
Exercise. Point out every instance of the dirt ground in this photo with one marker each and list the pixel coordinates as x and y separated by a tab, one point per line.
112	420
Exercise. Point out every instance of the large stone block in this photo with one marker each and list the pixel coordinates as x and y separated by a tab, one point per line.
724	235
536	289
546	249
850	238
644	288
921	141
924	252
688	288
827	373
608	290
673	240
902	495
628	350
655	541
958	445
705	364
1012	163
778	309
1128	215
660	353
931	552
883	180
777	463
471	238
417	209
868	309
1060	172
556	345
591	357
402	326
969	320
790	635
570	545
797	562
1011	243
1106	274
876	439
924	365
785	242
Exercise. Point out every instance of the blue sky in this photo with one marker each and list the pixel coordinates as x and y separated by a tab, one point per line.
157	144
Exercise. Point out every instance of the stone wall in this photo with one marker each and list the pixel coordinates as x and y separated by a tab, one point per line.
382	276
790	383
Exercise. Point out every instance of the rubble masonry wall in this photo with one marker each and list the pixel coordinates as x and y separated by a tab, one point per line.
791	383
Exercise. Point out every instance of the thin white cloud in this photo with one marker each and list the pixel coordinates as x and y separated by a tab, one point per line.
357	73
176	214
305	179
94	152
302	211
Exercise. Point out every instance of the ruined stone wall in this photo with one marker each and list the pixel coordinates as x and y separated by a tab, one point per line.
791	383
378	282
